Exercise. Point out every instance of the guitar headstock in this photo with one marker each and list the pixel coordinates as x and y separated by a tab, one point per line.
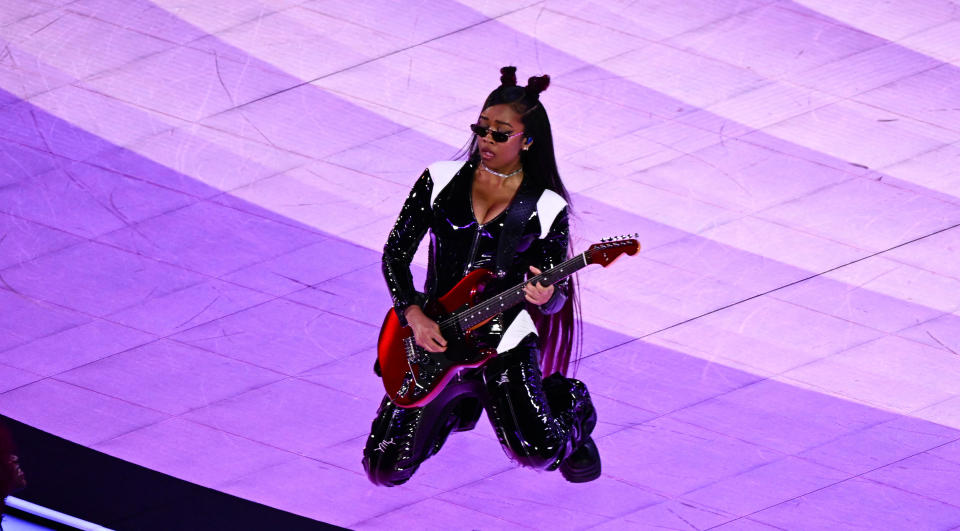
609	249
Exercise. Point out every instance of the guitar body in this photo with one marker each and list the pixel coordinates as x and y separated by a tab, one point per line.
413	376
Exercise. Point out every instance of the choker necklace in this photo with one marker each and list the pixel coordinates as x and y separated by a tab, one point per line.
501	175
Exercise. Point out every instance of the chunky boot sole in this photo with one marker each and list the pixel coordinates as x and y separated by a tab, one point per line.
583	465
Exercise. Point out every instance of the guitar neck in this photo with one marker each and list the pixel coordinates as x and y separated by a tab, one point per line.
511	297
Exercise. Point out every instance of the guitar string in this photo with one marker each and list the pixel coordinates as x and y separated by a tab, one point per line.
582	256
483	306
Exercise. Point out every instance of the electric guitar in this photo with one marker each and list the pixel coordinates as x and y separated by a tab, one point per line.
412	376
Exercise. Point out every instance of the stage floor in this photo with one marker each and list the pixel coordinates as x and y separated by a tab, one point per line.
194	198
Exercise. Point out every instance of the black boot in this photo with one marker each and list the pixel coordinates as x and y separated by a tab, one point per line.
570	398
583	465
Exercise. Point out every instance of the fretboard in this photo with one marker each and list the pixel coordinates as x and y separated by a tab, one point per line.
514	296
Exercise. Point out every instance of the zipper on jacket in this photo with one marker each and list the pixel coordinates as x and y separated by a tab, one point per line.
473	247
476	235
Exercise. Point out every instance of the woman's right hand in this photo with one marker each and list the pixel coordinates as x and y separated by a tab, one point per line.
426	332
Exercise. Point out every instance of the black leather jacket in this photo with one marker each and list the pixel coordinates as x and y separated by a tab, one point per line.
459	244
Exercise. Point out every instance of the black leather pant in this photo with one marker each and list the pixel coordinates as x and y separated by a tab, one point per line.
539	421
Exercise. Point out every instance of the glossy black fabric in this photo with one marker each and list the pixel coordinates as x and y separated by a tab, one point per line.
538	421
459	244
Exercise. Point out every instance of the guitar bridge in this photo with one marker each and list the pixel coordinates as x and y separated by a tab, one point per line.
410	348
424	370
412	359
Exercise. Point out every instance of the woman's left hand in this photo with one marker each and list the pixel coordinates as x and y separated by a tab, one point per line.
537	293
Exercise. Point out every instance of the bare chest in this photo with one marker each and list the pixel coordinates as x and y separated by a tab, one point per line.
490	201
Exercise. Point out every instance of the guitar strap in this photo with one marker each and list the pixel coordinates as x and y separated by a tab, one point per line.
517	216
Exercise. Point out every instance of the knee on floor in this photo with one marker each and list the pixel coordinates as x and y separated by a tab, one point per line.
381	474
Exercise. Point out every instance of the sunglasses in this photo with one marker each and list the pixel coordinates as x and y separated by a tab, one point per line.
497	136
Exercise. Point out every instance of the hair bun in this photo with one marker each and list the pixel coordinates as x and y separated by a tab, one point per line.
538	84
508	76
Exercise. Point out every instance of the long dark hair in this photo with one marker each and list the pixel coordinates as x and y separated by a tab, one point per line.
559	333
